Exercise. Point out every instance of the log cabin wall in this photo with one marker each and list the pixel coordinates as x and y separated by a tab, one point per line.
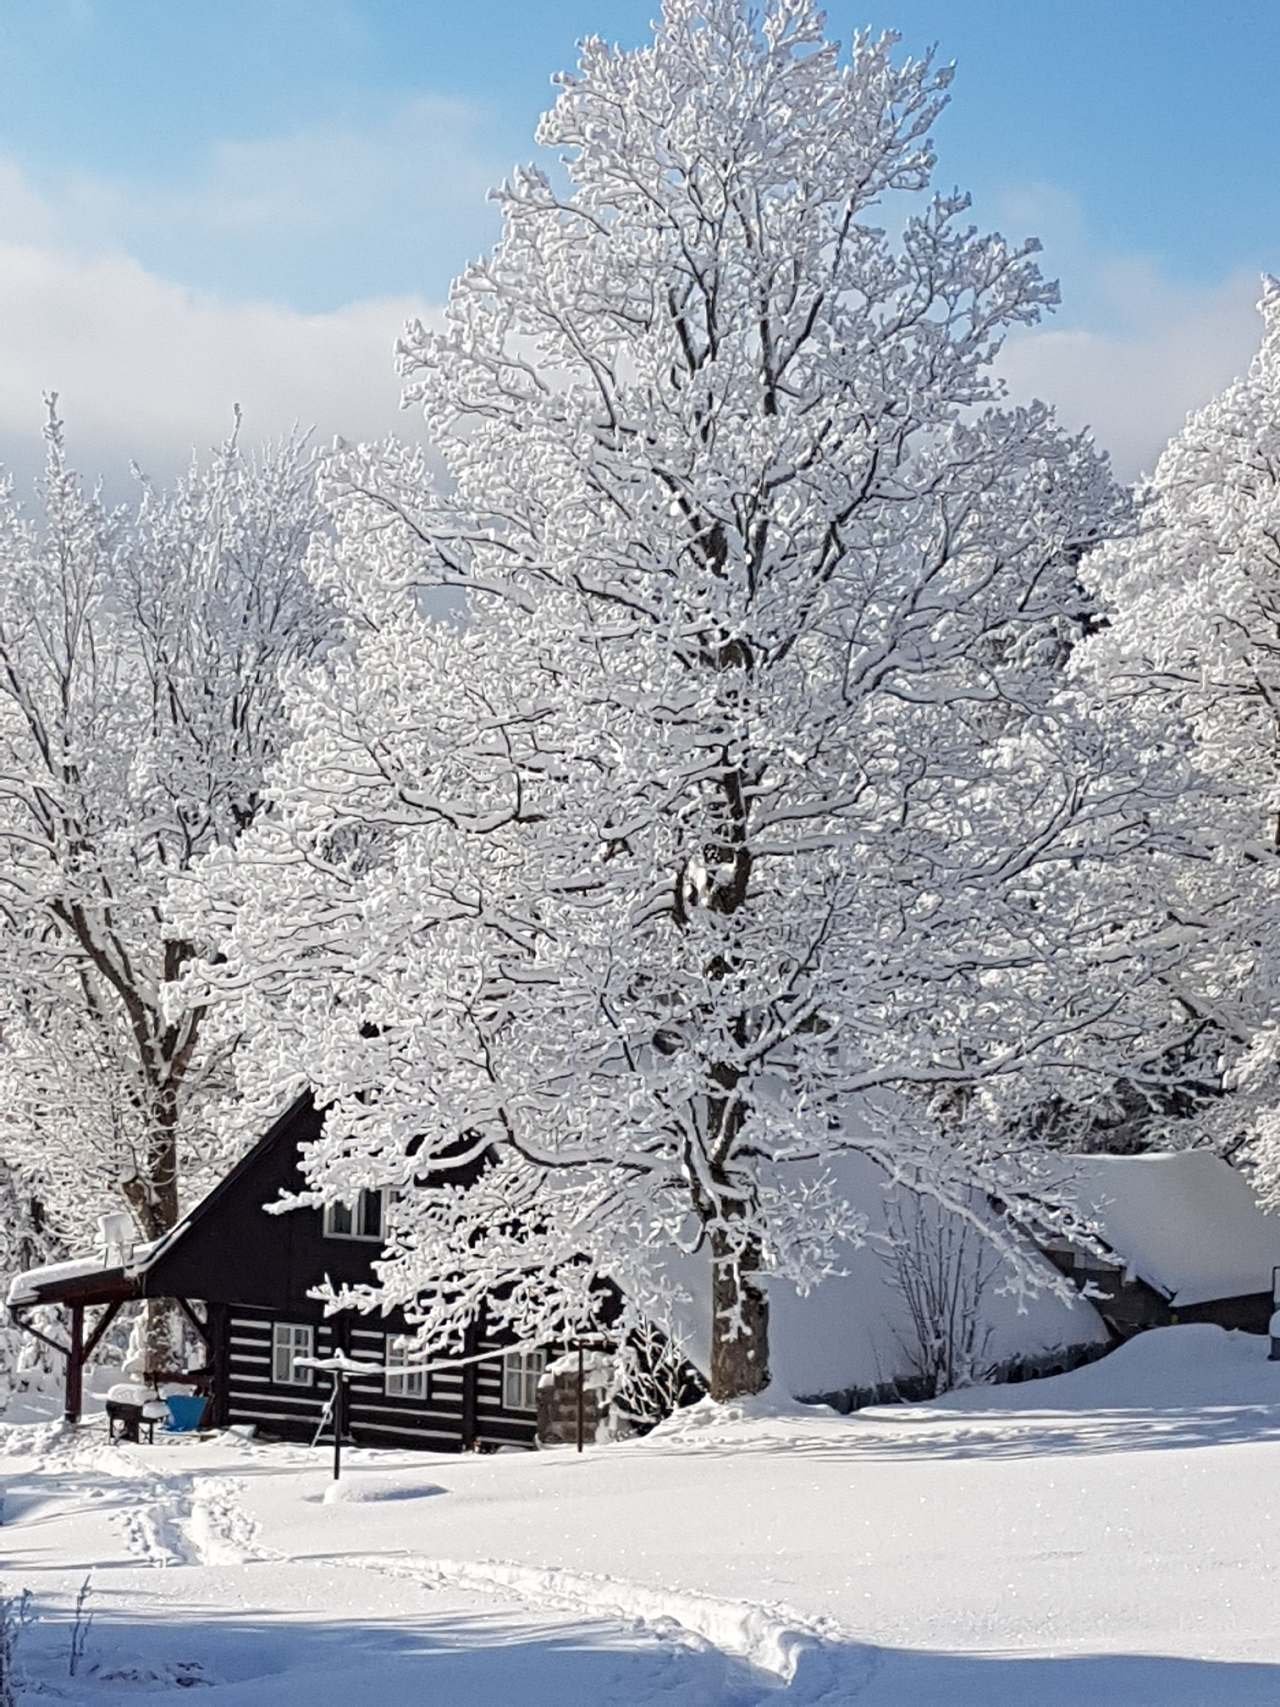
255	1270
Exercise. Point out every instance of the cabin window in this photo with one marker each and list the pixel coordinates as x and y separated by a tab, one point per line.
291	1341
362	1219
404	1380
521	1371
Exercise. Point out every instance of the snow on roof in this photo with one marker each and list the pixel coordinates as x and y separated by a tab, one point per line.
853	1329
26	1288
1184	1221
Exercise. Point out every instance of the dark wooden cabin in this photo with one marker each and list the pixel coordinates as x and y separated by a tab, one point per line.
243	1275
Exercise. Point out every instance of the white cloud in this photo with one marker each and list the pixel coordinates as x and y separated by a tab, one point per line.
1132	351
146	369
390	202
427	157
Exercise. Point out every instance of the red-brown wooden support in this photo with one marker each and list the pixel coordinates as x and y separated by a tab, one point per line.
75	1366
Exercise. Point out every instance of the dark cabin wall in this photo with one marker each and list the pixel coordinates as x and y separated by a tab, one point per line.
444	1421
374	1416
235	1252
252	1268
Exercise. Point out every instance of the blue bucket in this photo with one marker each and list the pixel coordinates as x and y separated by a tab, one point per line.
184	1412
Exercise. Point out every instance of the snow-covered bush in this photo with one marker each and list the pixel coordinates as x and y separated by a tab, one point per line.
943	1268
15	1616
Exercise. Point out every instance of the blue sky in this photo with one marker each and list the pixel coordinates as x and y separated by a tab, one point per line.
271	173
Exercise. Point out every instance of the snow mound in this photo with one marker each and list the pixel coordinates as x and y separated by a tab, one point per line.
708	1415
366	1490
1193	1366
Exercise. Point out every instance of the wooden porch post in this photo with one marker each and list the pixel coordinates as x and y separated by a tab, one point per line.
75	1366
339	1419
220	1364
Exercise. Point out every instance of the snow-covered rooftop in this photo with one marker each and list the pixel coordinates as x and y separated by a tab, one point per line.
26	1288
1185	1222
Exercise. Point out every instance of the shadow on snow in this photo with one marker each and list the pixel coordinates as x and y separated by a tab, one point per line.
256	1659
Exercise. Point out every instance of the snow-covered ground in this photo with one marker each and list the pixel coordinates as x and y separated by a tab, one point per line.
1110	1536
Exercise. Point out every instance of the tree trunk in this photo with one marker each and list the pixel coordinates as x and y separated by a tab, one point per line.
739	1362
154	1202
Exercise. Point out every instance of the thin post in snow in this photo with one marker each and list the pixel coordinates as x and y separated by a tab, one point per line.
339	1394
581	1406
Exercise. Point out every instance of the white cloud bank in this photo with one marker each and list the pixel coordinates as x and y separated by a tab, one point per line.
147	368
1131	352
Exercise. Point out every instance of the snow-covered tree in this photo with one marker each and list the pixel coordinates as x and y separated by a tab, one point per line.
1191	646
735	811
142	653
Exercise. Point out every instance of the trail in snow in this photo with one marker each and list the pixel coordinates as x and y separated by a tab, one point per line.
812	1659
200	1520
196	1521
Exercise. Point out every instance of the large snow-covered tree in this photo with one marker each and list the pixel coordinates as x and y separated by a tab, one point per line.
1191	647
142	656
702	794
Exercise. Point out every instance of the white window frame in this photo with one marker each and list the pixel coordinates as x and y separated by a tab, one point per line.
289	1342
521	1371
353	1210
403	1379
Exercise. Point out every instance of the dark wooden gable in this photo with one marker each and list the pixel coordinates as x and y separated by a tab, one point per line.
233	1251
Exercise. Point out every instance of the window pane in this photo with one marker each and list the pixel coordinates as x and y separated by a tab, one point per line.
370	1214
404	1381
290	1341
521	1371
337	1220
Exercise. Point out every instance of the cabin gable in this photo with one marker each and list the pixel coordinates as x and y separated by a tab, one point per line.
234	1251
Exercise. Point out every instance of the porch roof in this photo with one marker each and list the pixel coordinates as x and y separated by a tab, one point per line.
89	1279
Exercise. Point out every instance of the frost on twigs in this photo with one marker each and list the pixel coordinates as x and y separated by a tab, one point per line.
1191	651
745	815
142	650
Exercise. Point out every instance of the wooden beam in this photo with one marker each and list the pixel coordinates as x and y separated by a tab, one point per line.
202	1328
220	1364
582	1421
339	1419
470	1387
104	1322
30	1328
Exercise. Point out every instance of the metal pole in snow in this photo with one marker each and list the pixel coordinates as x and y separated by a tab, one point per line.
339	1393
582	1421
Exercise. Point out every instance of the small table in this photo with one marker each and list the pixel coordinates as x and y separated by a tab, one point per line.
126	1421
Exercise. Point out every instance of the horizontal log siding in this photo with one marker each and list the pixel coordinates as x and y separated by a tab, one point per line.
253	1396
379	1418
374	1416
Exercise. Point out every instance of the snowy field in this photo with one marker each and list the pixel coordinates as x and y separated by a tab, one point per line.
1109	1536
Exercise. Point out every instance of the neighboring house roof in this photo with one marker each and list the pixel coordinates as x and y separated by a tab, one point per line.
1185	1222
